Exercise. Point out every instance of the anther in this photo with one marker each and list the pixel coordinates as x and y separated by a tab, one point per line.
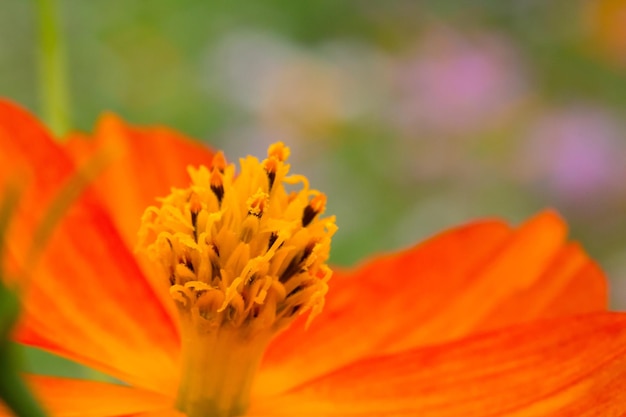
217	184
194	208
279	151
187	262
315	206
296	265
219	162
272	239
258	203
215	249
295	290
271	166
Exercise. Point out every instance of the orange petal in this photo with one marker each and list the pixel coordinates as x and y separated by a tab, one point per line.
70	397
521	282
169	412
474	278
571	284
25	141
147	163
87	299
573	366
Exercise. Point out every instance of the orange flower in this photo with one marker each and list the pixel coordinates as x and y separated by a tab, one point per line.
483	319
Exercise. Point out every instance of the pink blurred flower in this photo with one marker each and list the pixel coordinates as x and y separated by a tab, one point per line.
455	83
578	153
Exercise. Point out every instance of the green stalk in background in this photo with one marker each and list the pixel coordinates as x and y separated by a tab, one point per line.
52	75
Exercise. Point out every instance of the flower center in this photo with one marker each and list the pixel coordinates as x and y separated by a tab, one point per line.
244	258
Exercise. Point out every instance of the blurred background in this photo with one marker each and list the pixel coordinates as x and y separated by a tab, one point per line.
412	116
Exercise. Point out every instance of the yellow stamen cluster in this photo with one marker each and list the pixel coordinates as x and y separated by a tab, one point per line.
239	249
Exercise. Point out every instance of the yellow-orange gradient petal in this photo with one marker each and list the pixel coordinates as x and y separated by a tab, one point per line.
147	163
87	299
64	397
473	278
573	366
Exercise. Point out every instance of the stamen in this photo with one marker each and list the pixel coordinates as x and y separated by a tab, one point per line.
271	166
272	239
219	162
243	257
279	151
257	203
315	207
217	184
194	208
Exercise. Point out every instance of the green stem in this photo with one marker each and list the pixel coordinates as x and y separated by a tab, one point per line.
52	79
13	390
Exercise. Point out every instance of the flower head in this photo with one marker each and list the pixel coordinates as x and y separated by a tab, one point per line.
483	319
239	250
243	259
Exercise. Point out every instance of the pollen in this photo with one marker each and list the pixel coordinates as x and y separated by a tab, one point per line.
243	249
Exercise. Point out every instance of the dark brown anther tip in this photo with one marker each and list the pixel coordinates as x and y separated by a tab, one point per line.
308	214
